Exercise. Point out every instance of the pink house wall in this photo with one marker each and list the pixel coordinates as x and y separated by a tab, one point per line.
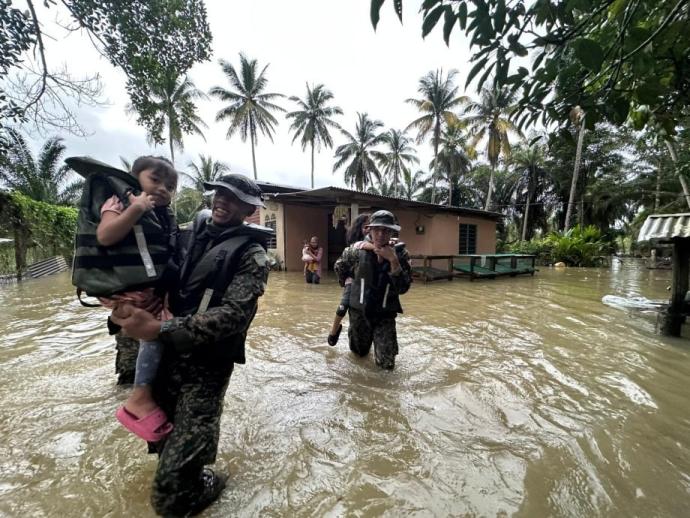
440	237
442	233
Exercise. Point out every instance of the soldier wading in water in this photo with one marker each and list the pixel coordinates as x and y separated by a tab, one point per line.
379	277
224	273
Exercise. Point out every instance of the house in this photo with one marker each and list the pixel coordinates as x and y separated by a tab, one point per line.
427	229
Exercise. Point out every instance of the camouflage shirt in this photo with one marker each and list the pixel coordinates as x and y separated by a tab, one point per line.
229	321
347	265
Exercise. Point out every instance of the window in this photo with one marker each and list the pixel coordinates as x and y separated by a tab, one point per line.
468	239
270	222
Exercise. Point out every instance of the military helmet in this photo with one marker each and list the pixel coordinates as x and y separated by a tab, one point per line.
244	188
383	218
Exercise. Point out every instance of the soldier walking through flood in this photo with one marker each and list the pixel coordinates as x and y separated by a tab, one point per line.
224	273
379	277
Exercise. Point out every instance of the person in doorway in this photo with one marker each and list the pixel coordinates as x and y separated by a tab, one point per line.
224	273
311	255
379	276
356	238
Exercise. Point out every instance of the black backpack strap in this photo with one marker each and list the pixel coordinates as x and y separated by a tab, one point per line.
86	304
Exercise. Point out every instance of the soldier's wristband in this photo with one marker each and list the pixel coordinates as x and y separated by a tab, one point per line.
178	337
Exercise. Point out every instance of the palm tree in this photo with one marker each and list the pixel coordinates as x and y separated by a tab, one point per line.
530	162
490	117
412	184
249	108
312	121
384	188
439	97
126	164
396	160
173	102
454	157
362	169
41	178
207	170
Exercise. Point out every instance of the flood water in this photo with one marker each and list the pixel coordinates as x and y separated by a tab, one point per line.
524	397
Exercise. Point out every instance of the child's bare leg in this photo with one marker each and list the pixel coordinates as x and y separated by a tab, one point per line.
140	402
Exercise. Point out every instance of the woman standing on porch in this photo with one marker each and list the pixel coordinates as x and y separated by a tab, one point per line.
311	255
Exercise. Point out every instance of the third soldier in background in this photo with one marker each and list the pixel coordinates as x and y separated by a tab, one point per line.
379	277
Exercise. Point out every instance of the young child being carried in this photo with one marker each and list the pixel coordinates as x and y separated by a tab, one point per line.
142	231
355	238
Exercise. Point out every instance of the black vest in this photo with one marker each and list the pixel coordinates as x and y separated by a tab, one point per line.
210	264
372	291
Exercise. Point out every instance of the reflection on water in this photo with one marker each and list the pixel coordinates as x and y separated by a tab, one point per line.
523	396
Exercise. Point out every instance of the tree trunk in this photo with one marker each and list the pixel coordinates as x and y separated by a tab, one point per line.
312	164
657	194
487	205
253	156
683	182
395	183
576	172
170	141
450	191
529	199
434	174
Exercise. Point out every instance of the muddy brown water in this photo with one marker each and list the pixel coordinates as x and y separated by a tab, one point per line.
524	397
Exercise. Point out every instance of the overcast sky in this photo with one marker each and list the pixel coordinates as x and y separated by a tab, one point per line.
315	41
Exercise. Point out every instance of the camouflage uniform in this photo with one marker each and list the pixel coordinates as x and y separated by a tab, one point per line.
126	358
200	353
376	325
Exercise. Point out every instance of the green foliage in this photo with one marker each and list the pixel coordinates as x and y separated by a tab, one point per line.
579	246
188	202
44	229
250	106
150	42
16	37
395	161
313	119
171	106
362	170
42	178
615	58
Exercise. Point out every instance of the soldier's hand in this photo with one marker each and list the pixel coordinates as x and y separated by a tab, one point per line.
136	322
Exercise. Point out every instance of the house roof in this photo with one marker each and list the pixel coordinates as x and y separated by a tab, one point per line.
272	188
665	227
337	195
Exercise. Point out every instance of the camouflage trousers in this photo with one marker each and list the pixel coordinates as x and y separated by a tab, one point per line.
191	391
381	331
125	359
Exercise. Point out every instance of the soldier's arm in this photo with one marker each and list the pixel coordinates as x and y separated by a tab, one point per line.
344	266
232	316
402	279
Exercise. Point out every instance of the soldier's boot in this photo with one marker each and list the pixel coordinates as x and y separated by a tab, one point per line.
213	485
385	361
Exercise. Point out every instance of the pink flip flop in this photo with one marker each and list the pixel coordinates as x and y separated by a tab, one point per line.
152	427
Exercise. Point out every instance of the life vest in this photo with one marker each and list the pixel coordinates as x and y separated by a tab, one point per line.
372	290
207	272
139	260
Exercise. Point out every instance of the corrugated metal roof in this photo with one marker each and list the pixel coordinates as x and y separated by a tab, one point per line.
332	192
665	227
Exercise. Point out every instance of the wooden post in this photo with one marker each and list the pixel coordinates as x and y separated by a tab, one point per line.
354	212
450	267
673	319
